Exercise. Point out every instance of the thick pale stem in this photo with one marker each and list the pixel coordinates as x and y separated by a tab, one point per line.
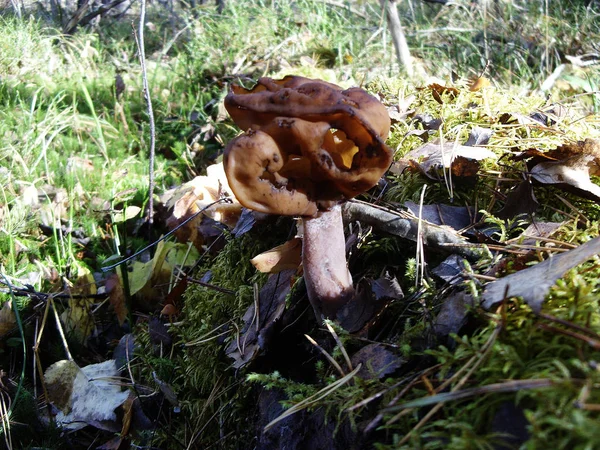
328	281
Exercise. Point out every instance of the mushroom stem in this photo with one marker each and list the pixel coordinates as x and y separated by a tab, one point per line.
328	281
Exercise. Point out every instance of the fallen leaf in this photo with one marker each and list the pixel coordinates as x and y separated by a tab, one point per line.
371	299
259	326
401	110
126	214
116	297
283	257
479	136
377	361
456	217
167	391
429	122
201	193
520	200
479	83
539	230
7	318
245	223
451	269
84	395
150	280
534	282
159	335
572	173
453	314
437	90
77	318
461	159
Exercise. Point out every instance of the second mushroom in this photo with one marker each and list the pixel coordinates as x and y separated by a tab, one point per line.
308	146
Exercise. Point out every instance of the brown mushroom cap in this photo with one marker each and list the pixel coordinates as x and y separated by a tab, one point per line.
312	144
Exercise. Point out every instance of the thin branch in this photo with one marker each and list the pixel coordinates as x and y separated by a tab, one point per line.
139	39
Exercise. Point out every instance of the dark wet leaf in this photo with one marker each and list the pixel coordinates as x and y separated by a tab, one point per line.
453	314
300	431
123	352
175	294
534	282
159	333
450	270
377	361
386	287
429	122
259	328
371	298
167	391
521	200
245	223
423	134
456	217
510	423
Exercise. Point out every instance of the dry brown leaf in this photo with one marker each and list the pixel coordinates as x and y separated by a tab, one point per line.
283	257
116	297
198	194
437	90
479	83
461	159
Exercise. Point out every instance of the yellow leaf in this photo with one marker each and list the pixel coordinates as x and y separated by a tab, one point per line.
282	257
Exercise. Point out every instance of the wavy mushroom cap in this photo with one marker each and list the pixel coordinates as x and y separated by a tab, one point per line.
308	142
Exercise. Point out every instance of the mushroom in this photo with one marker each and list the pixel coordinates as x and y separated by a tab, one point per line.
309	145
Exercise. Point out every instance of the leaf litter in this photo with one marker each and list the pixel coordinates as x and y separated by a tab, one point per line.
438	225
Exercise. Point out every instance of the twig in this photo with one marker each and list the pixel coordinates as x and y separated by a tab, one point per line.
211	286
139	40
398	36
405	225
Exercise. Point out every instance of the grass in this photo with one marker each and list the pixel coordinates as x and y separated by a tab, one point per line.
73	154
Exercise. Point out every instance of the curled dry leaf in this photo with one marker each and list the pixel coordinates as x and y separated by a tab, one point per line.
439	92
282	257
568	166
185	201
461	159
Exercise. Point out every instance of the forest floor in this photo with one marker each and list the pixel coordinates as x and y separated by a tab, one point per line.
475	256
